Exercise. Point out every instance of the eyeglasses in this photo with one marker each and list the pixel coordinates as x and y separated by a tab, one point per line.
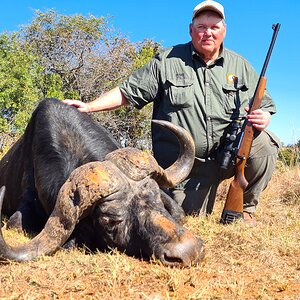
203	28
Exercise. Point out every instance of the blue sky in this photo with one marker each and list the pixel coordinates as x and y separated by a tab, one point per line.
249	31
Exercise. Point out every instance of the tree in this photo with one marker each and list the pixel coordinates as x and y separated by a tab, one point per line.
19	74
70	57
85	52
85	57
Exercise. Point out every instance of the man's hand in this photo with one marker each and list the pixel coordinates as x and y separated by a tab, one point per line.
259	119
82	107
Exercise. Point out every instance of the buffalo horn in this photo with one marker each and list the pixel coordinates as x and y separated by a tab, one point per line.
181	168
85	186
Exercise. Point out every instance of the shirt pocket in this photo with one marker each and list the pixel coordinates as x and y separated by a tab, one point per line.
236	98
180	92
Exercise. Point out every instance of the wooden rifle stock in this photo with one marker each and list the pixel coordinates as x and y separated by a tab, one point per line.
233	208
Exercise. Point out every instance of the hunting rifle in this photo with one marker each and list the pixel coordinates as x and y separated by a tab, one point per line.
233	208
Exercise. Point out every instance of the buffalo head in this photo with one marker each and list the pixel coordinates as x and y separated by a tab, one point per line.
122	196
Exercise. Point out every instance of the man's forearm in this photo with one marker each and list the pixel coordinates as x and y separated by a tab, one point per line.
108	101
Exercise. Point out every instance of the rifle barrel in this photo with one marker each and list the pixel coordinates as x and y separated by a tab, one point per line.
276	28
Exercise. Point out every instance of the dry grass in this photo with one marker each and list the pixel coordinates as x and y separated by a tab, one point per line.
241	262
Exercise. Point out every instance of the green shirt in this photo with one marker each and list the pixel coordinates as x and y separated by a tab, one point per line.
201	98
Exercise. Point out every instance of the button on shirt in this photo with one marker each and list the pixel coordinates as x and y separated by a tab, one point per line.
202	98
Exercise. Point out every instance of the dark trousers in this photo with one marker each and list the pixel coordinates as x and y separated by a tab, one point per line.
197	193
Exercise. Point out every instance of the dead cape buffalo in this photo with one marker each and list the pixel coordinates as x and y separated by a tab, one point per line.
68	178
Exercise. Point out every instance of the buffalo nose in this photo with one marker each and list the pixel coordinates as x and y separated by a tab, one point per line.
185	252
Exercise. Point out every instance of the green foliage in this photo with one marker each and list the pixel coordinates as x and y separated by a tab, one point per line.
18	91
130	126
70	57
147	50
84	57
63	45
63	39
52	86
289	156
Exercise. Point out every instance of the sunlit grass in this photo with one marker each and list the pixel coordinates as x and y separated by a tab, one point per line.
241	262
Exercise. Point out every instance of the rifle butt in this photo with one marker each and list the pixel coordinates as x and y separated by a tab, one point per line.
234	204
230	216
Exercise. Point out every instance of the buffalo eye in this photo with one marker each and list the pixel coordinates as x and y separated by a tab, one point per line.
109	222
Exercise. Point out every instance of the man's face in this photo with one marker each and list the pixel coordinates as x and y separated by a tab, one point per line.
208	31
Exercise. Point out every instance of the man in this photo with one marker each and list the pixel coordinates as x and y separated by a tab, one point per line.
202	87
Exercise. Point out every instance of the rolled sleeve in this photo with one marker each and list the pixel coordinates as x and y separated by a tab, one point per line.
268	104
142	87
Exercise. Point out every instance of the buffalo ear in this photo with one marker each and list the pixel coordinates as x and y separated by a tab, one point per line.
174	209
